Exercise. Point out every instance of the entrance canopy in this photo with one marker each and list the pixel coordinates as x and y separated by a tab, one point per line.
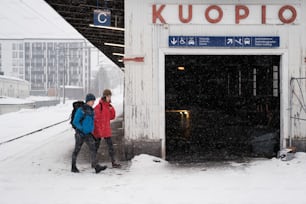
80	14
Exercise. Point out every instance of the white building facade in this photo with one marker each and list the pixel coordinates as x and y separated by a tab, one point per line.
157	30
47	63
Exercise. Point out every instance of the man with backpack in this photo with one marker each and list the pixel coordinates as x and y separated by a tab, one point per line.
83	122
104	113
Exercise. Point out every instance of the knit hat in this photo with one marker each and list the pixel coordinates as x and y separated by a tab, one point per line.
90	97
107	92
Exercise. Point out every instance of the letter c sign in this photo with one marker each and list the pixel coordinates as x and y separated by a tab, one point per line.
102	17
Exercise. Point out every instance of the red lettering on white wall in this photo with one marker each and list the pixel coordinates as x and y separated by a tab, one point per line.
240	16
156	14
263	14
181	16
224	14
220	14
281	14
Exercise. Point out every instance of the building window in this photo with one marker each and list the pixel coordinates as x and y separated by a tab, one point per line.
15	54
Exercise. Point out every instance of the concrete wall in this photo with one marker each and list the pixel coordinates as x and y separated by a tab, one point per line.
8	108
38	104
142	108
145	84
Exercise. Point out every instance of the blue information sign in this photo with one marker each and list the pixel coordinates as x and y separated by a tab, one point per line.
224	41
102	17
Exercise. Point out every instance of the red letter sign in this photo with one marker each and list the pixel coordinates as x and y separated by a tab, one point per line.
218	9
182	19
238	15
156	14
263	14
281	14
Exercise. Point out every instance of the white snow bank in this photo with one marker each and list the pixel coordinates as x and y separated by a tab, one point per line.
147	164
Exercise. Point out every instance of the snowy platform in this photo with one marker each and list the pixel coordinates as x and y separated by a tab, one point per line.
36	169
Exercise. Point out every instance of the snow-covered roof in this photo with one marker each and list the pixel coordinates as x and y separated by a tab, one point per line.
12	78
32	19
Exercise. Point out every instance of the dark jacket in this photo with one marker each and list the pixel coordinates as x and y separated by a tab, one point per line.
84	119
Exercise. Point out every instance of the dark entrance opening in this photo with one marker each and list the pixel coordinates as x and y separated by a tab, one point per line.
222	107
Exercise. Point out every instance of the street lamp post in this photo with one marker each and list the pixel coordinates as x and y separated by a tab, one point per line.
57	77
64	75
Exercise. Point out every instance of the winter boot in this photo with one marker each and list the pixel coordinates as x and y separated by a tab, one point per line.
116	165
74	169
99	168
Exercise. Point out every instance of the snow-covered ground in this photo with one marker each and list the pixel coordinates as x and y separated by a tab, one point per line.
36	169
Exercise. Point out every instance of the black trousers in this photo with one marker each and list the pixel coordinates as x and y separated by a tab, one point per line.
110	147
90	141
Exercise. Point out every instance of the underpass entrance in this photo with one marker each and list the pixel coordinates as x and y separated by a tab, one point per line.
222	106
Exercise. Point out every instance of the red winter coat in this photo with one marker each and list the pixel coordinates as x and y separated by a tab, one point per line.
104	113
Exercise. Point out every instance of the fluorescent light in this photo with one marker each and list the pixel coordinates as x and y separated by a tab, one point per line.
114	44
181	68
120	60
106	27
118	54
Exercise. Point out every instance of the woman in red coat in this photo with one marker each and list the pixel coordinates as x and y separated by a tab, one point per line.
104	113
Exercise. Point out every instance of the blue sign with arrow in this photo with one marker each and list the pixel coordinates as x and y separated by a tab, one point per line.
224	41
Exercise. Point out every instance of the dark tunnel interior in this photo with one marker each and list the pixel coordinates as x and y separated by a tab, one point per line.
222	106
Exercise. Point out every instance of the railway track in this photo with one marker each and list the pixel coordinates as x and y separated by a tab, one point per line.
33	132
